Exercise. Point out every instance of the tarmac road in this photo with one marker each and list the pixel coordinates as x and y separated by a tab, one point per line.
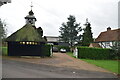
17	69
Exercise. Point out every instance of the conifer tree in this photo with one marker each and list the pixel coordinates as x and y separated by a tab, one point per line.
87	37
69	30
2	30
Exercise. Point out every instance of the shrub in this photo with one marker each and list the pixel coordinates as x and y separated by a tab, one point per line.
4	51
94	53
116	50
46	50
64	47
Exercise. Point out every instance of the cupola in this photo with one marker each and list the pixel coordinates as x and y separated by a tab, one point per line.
30	18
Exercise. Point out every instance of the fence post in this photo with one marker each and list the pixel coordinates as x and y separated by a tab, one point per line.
75	53
51	53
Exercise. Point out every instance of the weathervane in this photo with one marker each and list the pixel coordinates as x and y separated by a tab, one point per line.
86	20
31	5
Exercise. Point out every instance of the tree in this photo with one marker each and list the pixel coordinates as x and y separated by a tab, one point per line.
40	31
2	30
69	31
87	37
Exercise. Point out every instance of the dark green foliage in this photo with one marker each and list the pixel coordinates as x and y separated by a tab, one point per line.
63	47
87	37
40	31
116	50
4	51
70	30
45	38
94	53
46	50
2	30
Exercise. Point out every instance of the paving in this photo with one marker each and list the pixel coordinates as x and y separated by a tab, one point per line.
60	60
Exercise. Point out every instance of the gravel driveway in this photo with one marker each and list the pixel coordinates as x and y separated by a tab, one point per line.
60	60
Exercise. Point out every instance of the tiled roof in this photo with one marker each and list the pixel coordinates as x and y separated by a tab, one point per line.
109	35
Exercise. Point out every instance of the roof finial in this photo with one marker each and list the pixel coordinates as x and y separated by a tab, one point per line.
31	5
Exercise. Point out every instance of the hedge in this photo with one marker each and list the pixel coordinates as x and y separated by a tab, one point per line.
94	53
4	51
46	50
62	47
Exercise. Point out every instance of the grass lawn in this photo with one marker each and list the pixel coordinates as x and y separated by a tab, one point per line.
4	51
110	65
70	54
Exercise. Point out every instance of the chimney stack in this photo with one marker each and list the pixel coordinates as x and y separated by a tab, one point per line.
108	29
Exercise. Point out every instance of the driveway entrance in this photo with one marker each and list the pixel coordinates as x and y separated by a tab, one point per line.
61	60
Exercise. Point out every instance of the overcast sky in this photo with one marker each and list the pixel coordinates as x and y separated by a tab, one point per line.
51	14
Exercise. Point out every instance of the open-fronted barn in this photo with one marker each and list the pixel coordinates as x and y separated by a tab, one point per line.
27	41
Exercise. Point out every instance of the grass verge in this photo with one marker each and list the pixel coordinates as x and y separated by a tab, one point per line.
111	65
70	54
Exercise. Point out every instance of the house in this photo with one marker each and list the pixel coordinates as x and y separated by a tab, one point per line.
108	38
55	41
52	40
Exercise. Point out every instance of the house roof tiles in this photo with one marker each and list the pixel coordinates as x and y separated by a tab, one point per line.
109	35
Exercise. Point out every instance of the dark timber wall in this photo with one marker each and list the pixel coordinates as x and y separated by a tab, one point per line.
17	49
